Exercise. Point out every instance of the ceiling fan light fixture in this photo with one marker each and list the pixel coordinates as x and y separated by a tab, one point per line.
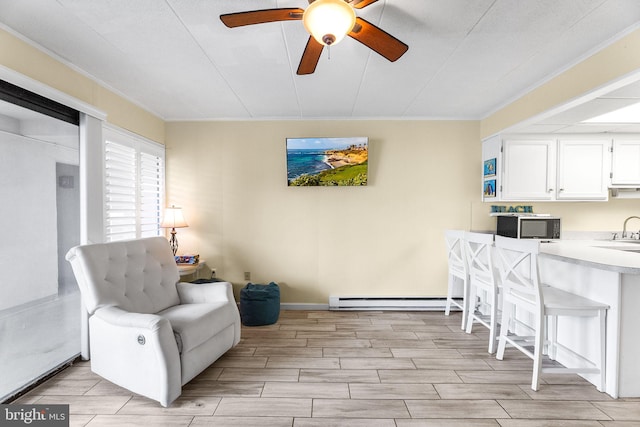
328	21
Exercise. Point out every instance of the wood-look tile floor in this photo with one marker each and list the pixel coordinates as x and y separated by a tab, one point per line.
369	369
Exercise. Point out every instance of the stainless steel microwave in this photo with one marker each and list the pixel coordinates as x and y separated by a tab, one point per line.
528	227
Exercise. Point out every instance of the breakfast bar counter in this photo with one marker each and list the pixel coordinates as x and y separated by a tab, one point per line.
614	255
608	272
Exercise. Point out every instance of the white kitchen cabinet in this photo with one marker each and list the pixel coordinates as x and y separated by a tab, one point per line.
529	170
625	165
549	169
583	169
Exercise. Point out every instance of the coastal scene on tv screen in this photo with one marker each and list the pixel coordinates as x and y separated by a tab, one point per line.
327	161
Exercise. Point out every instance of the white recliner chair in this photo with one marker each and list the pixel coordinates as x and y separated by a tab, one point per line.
147	332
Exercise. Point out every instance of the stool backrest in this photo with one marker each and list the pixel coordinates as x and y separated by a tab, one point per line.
455	252
517	262
479	253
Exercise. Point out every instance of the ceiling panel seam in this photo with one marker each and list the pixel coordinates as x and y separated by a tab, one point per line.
419	92
209	59
291	68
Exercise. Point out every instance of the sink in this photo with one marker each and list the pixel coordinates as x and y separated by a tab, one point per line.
625	240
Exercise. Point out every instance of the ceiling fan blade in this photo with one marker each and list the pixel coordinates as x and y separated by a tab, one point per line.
360	4
239	19
378	40
310	57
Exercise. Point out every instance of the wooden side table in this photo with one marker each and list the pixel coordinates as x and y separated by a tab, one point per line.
191	269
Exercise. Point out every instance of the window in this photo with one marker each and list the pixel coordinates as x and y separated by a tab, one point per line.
134	186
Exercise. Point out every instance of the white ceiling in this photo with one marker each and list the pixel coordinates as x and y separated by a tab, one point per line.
569	118
466	58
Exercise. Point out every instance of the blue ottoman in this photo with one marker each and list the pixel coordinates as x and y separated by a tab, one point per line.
259	304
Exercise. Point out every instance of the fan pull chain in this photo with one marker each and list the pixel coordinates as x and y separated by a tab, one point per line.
329	52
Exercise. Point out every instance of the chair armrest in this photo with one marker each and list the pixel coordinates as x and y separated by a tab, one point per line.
191	293
136	351
118	317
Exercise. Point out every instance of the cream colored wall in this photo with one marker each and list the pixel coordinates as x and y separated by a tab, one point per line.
23	58
382	239
576	216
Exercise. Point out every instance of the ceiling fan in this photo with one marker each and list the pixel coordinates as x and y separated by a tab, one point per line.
328	21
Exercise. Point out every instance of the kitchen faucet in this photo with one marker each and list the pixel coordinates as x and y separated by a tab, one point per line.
624	226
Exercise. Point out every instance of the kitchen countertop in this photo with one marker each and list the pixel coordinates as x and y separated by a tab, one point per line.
603	254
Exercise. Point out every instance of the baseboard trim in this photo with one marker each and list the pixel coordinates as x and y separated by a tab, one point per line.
304	306
377	304
391	303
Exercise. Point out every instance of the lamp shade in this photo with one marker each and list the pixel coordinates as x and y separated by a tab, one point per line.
328	21
173	218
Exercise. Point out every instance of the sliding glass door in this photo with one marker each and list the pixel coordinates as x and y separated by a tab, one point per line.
40	221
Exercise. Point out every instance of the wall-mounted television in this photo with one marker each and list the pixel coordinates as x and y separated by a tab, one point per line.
327	161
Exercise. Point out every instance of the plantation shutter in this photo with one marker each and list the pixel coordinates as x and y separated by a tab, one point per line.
134	186
120	191
151	192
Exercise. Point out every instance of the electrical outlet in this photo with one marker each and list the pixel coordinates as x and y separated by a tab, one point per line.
247	275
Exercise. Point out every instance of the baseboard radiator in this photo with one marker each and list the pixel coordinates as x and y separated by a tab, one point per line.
387	303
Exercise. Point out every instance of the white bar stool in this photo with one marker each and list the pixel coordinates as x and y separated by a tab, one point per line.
457	269
517	261
483	285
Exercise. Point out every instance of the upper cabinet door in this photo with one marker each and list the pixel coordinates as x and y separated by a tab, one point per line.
583	172
625	162
529	170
